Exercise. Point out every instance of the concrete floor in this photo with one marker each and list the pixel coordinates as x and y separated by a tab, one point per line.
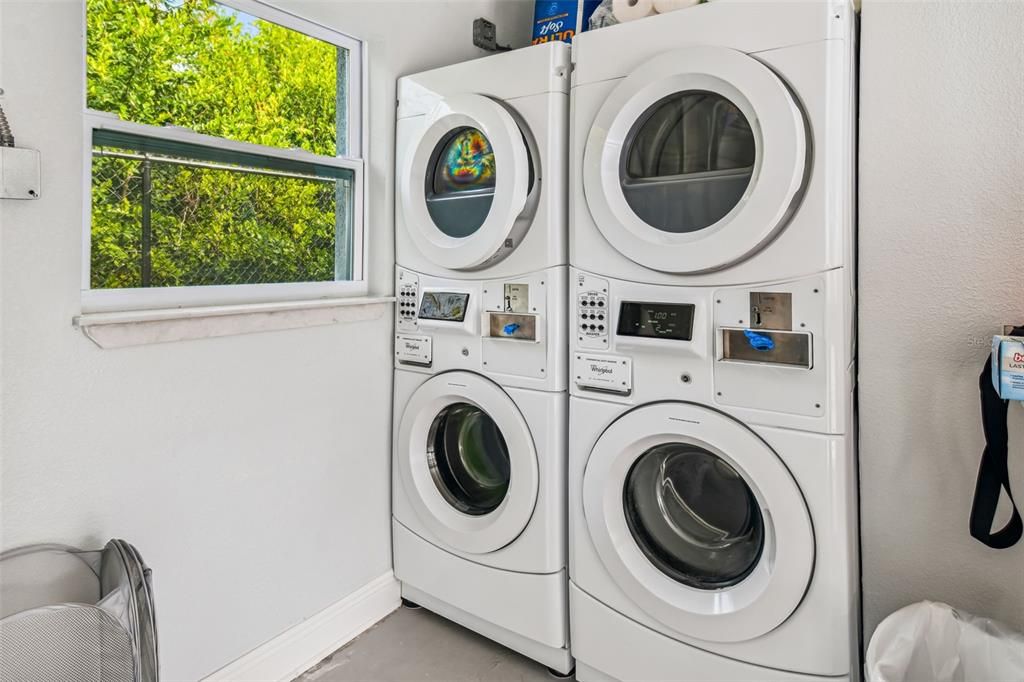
415	644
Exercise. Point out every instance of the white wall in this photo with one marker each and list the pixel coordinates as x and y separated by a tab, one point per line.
941	267
251	471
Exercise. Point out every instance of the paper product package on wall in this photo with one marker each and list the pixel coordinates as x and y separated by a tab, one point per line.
1008	366
561	19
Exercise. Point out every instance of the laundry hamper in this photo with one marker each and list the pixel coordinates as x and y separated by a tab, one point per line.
68	614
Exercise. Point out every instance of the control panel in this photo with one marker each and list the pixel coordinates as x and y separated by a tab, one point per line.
408	293
773	350
512	329
593	317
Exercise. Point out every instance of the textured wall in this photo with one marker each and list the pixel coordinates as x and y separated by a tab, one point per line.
251	471
941	267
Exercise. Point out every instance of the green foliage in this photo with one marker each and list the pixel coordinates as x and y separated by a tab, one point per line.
195	64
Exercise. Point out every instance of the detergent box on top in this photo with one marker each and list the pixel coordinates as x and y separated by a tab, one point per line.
1008	366
561	19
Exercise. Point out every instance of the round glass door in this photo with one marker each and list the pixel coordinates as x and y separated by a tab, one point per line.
698	521
461	178
468	459
693	516
467	463
688	161
695	160
465	184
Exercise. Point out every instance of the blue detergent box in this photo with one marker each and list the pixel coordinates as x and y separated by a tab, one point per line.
561	19
1008	366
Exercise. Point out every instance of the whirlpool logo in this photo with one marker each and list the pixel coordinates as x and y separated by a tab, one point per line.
600	370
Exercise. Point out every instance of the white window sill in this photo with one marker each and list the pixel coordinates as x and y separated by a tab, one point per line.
144	327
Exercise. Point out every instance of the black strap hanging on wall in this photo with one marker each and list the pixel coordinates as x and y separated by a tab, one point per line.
994	472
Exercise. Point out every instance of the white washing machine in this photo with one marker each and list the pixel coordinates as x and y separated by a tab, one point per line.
480	437
481	165
712	481
715	145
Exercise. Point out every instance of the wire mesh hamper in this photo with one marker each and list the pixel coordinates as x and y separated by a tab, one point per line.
68	614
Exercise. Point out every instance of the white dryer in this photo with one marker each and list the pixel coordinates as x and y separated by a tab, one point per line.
481	165
480	437
712	481
715	145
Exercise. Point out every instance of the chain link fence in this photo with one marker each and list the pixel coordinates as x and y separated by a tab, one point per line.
162	221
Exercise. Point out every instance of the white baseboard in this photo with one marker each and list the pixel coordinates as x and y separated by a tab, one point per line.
299	648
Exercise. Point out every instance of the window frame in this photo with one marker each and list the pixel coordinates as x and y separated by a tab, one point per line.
145	298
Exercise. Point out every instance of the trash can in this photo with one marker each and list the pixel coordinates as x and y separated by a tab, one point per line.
933	642
68	614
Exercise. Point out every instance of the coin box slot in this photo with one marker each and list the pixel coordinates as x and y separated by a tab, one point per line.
512	326
791	349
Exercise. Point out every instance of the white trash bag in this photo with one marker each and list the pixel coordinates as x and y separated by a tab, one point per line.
933	642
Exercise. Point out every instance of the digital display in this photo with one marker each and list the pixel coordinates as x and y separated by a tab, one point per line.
656	320
445	306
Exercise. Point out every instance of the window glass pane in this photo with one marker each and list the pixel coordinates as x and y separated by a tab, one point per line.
169	214
460	182
468	459
689	160
693	516
203	66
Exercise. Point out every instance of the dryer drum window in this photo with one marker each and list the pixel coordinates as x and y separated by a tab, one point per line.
461	177
468	459
693	516
687	161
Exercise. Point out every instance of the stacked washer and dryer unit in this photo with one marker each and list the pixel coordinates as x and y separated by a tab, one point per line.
712	471
704	332
481	401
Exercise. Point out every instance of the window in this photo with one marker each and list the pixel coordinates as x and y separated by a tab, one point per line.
224	155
